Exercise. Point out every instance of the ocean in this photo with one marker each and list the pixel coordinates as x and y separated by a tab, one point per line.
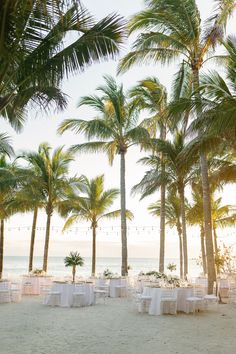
18	265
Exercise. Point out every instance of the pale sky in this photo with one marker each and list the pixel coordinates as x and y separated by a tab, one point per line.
43	128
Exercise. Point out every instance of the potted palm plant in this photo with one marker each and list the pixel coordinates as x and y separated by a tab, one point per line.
73	260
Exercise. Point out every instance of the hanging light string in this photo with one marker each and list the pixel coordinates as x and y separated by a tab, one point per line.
132	229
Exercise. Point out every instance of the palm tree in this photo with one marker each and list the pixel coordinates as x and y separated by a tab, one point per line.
178	173
53	182
29	197
173	219
219	101
35	58
92	206
5	145
150	95
172	29
73	260
116	130
8	185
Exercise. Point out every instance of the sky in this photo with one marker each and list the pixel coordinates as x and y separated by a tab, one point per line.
41	127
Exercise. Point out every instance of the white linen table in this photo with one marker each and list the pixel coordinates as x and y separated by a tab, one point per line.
155	305
67	291
5	285
37	282
5	291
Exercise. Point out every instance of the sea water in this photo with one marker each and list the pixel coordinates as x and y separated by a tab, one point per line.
18	265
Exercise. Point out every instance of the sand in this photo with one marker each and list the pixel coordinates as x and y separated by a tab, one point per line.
114	328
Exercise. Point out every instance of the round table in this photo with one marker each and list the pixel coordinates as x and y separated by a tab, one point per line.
67	290
32	285
155	293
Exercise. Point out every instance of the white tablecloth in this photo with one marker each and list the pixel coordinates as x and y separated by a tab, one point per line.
5	285
67	291
155	305
118	287
36	283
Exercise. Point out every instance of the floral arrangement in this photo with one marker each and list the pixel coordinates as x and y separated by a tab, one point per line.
156	274
107	273
173	280
38	272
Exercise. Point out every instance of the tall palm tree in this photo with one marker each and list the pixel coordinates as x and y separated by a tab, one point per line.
173	219
35	58
116	130
178	173
8	186
93	205
53	182
172	29
29	198
150	95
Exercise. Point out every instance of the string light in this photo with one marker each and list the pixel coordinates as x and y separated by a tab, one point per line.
132	230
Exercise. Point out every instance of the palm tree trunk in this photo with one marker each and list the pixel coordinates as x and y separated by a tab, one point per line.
124	250
203	250
94	251
216	247
1	246
215	239
32	241
207	224
162	229
47	236
184	231
73	273
206	197
181	272
162	211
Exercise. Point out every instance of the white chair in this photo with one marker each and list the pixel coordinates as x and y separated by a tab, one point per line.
27	288
143	302
196	302
53	298
101	284
232	293
223	288
101	293
212	298
132	292
121	289
169	301
15	292
45	289
78	299
5	296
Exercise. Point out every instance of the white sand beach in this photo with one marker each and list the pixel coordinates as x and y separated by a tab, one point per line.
113	328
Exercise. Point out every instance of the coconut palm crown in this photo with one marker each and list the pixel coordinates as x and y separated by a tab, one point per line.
35	57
